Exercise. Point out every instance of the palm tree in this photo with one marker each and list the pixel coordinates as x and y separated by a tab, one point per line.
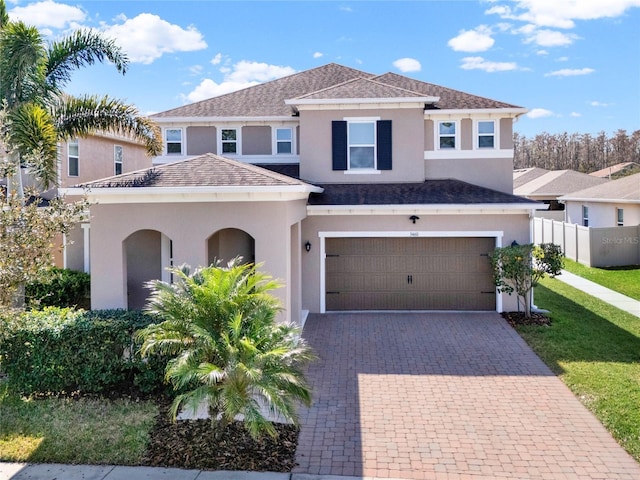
37	113
227	348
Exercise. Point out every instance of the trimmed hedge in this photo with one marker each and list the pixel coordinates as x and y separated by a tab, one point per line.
59	287
58	350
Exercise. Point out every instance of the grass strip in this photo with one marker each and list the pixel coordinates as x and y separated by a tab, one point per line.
595	349
76	431
624	280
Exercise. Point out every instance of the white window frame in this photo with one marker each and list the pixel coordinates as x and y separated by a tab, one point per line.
456	135
620	217
117	161
76	157
237	141
276	141
585	215
371	120
478	135
167	142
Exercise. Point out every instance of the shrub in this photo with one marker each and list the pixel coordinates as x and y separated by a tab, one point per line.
63	350
59	287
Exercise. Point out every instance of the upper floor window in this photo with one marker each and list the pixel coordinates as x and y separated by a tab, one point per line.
620	217
486	134
173	140
117	159
73	158
585	216
447	135
229	139
361	137
361	145
284	141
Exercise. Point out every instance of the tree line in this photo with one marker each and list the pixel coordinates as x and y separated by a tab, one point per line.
577	151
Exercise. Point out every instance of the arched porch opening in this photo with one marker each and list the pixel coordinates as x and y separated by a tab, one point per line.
228	243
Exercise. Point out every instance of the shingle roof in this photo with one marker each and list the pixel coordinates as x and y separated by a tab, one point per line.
524	175
439	192
625	188
207	170
268	99
613	169
449	98
558	182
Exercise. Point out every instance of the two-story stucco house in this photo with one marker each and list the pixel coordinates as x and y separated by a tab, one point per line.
357	191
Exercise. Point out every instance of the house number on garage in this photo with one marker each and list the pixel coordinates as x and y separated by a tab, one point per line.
413	234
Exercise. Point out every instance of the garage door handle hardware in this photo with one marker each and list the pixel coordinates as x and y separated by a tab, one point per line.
332	293
491	291
410	279
327	255
484	254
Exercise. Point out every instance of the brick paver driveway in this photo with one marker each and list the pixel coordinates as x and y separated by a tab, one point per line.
444	395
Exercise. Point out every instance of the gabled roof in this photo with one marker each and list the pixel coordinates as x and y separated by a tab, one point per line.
557	182
329	81
613	169
622	190
429	192
524	175
207	170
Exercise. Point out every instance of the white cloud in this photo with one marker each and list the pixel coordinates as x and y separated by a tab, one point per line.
540	113
575	114
562	59
570	72
548	38
542	52
477	40
195	70
407	65
596	103
479	63
318	55
345	8
217	59
561	14
243	74
48	14
147	37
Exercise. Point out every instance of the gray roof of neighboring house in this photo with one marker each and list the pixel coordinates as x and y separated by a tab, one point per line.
626	189
438	192
557	182
524	175
268	99
207	170
613	169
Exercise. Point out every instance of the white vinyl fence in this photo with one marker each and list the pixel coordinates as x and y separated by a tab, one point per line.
594	247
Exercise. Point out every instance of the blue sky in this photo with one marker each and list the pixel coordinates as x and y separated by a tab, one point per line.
575	64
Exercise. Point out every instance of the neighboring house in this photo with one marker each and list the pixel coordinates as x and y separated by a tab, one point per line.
617	170
614	203
374	192
547	186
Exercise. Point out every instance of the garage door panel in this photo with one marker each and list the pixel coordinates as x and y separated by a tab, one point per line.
409	274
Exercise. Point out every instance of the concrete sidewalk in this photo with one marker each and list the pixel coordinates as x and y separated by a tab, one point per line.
606	295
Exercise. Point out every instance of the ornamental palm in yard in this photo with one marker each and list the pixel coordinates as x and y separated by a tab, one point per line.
226	347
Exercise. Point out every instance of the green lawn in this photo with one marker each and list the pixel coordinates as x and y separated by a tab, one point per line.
91	431
595	349
625	280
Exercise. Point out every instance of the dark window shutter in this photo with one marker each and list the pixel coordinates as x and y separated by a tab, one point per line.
339	144
384	144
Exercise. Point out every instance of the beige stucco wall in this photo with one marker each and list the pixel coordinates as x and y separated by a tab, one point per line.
96	159
494	173
602	214
189	226
407	142
256	140
514	227
201	140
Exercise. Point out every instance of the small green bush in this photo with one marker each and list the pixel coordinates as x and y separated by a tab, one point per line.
63	350
59	287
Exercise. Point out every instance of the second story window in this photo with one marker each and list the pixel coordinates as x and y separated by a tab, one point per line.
486	134
284	141
173	139
620	217
447	135
73	158
117	159
361	137
229	138
585	216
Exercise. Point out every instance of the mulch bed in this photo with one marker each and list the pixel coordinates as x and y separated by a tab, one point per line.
519	318
192	444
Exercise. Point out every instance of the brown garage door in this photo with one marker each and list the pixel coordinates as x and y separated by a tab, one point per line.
409	274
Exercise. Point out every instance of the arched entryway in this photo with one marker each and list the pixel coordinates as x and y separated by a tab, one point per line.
147	254
228	243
